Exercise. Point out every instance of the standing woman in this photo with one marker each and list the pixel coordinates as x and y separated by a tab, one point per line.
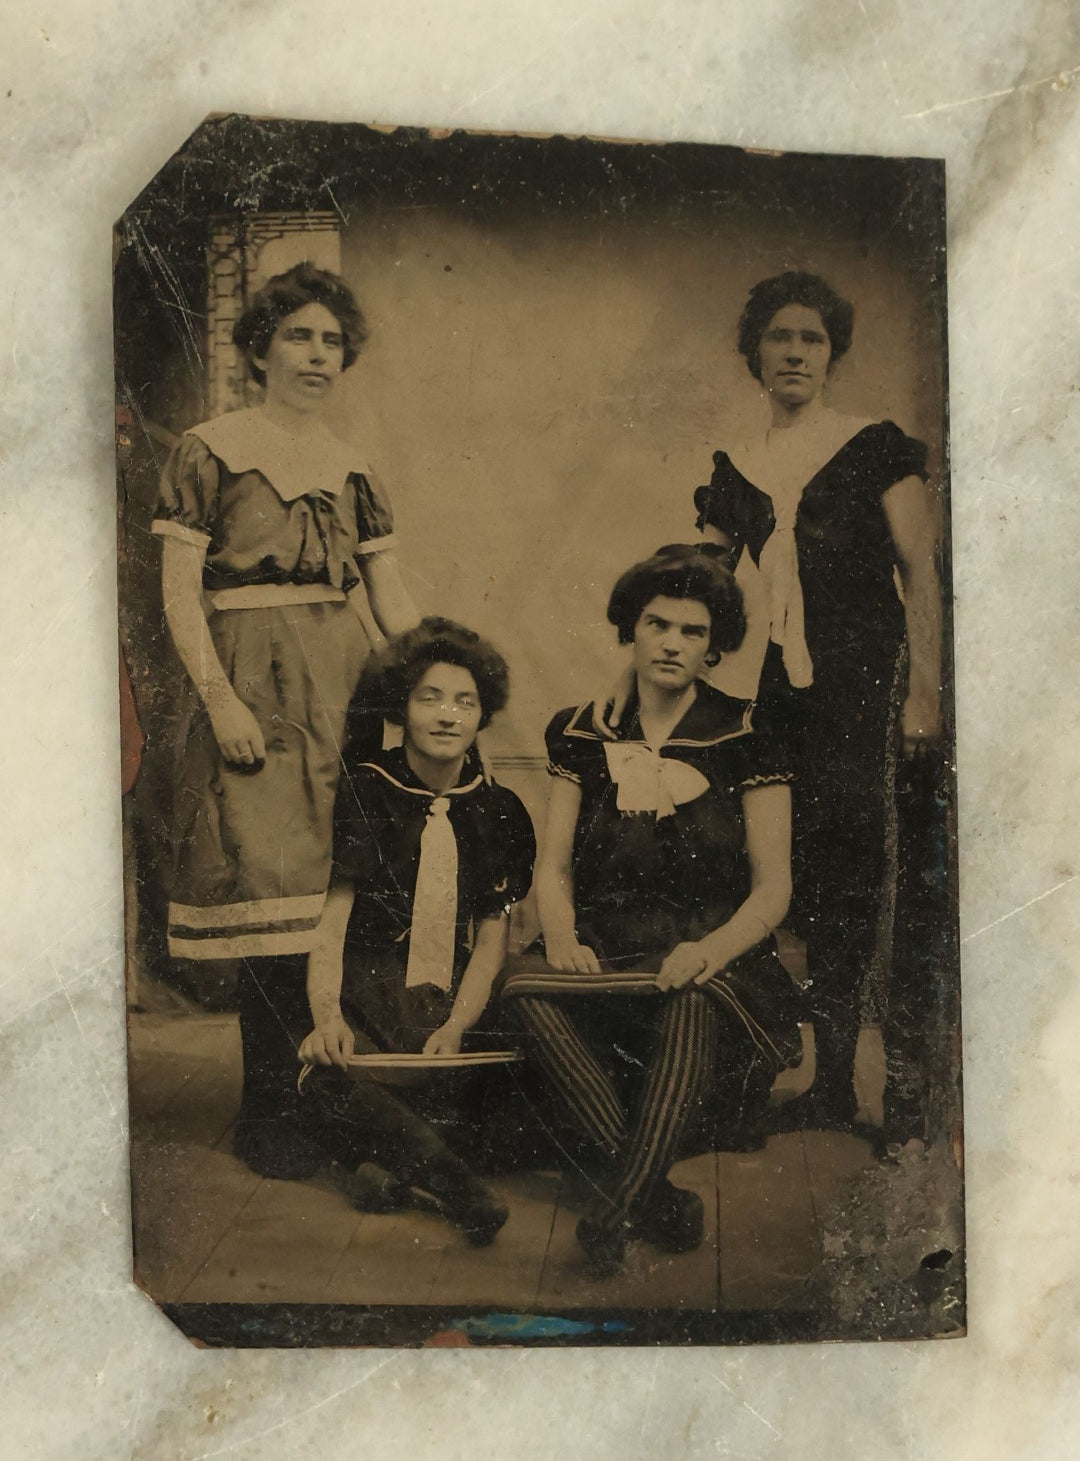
834	510
276	538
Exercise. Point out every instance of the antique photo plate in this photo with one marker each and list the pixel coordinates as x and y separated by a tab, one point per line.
550	374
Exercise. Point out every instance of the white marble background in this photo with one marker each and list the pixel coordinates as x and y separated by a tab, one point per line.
94	95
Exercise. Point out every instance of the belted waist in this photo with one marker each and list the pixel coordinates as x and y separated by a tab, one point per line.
274	595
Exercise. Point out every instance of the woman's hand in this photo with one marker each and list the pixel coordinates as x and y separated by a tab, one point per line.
330	1043
569	956
237	732
618	696
446	1040
687	963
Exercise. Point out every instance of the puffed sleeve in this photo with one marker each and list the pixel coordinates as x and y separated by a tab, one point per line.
374	517
509	854
718	502
887	456
765	756
568	756
360	818
188	497
734	508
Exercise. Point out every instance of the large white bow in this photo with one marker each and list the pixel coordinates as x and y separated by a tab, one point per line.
649	782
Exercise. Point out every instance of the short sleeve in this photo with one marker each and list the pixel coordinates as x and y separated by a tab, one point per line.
360	819
888	456
717	503
374	517
509	855
188	496
568	756
767	758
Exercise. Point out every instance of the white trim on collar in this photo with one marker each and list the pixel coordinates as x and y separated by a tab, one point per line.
477	780
590	733
248	441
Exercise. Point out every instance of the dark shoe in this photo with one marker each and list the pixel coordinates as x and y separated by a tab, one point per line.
744	1136
673	1221
480	1222
464	1199
604	1247
277	1148
372	1189
815	1110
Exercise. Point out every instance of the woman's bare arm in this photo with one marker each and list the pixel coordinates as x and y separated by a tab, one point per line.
391	603
767	817
554	881
910	511
235	728
488	957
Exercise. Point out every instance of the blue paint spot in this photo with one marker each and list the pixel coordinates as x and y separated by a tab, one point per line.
532	1326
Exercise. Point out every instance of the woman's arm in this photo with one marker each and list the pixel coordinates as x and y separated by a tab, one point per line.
235	728
391	603
767	816
331	1042
488	957
910	511
555	881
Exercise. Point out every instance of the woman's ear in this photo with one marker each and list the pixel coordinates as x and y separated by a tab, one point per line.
712	659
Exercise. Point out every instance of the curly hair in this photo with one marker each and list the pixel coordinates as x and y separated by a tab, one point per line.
682	571
391	676
282	296
772	295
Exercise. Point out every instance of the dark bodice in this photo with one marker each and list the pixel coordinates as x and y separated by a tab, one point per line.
847	559
646	880
379	818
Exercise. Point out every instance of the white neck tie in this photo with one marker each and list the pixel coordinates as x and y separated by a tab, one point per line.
434	911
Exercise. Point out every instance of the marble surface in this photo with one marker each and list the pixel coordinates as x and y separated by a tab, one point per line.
93	98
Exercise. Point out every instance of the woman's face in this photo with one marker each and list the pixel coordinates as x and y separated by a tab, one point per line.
442	715
304	359
671	642
795	354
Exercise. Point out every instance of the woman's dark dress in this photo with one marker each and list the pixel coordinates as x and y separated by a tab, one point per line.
659	858
378	822
379	819
644	882
843	727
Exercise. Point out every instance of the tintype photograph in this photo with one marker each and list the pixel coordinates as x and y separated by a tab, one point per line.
536	687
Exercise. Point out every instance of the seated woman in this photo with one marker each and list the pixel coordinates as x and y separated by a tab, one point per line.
427	850
666	850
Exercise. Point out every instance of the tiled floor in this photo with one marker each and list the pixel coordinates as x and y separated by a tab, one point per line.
207	1229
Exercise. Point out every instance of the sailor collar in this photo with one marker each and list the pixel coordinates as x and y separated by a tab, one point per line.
712	718
295	466
401	775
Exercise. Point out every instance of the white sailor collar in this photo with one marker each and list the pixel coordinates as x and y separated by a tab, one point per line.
394	768
295	466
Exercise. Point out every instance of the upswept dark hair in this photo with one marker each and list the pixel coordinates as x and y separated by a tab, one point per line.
393	674
682	571
283	295
772	295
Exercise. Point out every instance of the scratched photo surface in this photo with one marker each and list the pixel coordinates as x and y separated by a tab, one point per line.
536	690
